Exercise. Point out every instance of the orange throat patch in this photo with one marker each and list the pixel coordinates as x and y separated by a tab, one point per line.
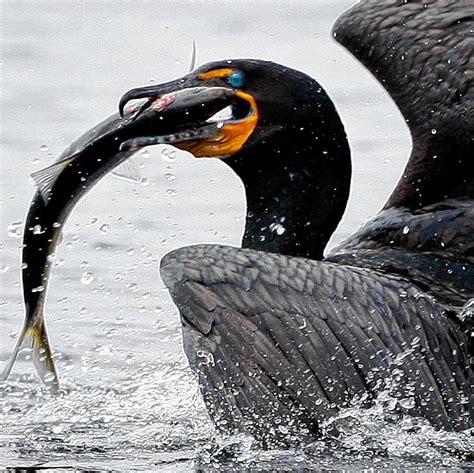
229	139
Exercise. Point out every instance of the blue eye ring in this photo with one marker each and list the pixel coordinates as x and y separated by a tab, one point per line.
236	79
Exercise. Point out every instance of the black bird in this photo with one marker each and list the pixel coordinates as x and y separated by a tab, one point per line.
280	338
284	341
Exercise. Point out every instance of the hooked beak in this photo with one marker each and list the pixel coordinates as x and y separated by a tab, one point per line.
208	121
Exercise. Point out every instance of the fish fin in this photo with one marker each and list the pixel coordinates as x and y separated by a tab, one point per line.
36	338
192	64
45	178
128	171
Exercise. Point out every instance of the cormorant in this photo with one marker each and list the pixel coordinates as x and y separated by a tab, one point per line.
280	338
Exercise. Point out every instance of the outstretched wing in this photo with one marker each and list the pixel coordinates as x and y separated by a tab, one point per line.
281	343
421	52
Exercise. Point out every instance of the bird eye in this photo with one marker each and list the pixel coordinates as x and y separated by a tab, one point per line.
236	79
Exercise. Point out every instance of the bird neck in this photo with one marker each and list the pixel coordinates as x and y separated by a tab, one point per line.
296	194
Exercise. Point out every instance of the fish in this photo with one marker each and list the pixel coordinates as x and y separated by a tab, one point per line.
161	119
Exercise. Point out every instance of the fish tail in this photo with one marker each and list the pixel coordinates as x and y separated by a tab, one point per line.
35	338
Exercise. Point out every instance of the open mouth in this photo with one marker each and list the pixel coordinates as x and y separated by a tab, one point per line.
207	121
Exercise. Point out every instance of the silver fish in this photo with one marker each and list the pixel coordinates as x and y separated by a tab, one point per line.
164	117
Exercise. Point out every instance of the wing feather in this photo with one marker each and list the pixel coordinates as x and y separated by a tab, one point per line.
292	353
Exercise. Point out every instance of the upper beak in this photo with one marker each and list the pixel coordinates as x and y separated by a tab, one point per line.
184	88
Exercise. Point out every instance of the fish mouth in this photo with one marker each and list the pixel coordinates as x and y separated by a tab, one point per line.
207	121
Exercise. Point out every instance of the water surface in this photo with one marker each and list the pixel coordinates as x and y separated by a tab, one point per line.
130	400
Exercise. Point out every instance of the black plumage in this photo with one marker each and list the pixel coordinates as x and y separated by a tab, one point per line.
278	340
280	343
421	52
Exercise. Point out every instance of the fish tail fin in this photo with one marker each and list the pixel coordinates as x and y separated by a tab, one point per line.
35	337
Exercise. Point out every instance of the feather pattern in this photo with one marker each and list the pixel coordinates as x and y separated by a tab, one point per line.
303	353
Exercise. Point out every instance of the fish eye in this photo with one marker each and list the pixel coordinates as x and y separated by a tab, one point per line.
236	79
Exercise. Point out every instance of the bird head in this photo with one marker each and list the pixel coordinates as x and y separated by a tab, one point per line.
225	107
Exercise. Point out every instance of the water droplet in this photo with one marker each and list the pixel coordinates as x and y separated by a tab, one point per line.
130	251
170	176
44	147
14	230
87	278
104	228
208	358
168	155
38	289
145	182
283	429
408	403
37	230
145	153
171	192
433	131
59	262
406	230
278	228
49	377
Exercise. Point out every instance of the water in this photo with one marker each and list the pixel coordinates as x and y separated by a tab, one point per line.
129	399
